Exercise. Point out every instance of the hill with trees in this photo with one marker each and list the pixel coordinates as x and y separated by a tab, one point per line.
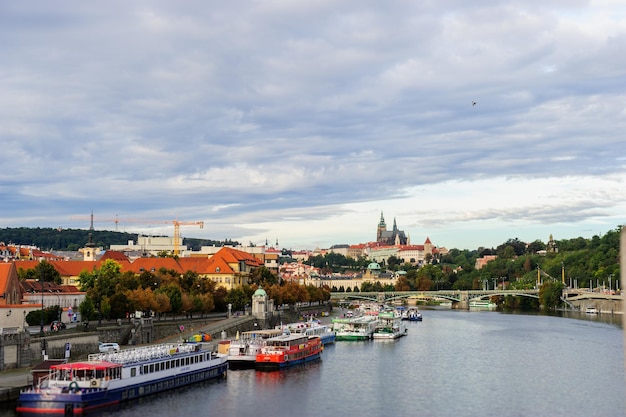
49	239
584	262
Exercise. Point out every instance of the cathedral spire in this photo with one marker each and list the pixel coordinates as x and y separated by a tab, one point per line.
381	223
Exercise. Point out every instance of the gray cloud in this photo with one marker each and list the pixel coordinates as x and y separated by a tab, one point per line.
266	108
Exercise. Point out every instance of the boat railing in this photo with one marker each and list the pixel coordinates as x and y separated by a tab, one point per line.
143	354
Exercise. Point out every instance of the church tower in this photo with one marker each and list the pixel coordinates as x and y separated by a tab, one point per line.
382	227
89	251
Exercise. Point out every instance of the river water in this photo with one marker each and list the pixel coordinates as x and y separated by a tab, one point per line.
453	363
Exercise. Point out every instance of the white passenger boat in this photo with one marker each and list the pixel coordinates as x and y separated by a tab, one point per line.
389	326
243	350
591	310
311	328
110	378
354	328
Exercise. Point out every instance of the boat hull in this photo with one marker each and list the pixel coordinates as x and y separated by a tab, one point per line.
37	403
242	362
273	366
352	337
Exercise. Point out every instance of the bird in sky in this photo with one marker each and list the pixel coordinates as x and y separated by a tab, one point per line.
473	103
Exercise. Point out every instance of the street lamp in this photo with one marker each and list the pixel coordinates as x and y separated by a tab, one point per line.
42	309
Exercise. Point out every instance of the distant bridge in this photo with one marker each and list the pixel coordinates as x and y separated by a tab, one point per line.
459	299
577	299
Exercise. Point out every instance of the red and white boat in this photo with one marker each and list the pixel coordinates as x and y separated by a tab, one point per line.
287	350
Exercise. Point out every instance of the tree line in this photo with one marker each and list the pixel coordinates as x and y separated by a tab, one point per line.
49	239
113	294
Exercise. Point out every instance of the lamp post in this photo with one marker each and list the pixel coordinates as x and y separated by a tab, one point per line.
538	277
59	316
42	308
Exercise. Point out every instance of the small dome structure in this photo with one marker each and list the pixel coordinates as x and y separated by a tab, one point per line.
260	293
373	266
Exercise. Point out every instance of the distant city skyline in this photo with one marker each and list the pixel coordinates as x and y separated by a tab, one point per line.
302	121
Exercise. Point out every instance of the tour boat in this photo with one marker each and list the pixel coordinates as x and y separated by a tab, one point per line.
243	350
591	310
110	378
389	326
354	328
287	350
414	315
311	328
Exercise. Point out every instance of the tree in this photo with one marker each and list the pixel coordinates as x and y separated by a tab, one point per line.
237	298
87	309
162	303
550	295
43	270
402	284
263	276
120	305
175	296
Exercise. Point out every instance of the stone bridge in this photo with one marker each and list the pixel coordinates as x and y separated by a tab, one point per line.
459	299
576	299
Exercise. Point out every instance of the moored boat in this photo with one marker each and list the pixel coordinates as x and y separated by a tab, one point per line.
311	328
354	328
287	350
414	315
243	350
389	326
591	310
109	378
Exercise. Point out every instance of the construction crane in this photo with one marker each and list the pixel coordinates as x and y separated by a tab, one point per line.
177	223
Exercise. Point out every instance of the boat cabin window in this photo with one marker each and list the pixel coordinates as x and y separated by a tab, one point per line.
133	371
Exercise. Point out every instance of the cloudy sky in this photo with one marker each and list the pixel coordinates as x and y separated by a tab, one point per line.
302	120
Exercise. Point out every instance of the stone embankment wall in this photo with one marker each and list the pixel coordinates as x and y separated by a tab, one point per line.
605	306
21	350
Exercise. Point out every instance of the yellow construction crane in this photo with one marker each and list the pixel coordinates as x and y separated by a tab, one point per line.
177	223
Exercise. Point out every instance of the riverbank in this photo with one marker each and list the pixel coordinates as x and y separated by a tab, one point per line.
12	381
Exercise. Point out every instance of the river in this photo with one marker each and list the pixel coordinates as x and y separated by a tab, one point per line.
453	363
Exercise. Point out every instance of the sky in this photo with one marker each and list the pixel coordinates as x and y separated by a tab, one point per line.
469	123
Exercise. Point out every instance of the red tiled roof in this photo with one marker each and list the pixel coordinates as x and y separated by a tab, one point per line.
5	271
74	268
115	255
411	247
219	266
197	265
140	265
231	255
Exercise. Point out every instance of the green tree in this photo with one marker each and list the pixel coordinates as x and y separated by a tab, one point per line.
262	276
45	270
237	298
175	296
550	294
